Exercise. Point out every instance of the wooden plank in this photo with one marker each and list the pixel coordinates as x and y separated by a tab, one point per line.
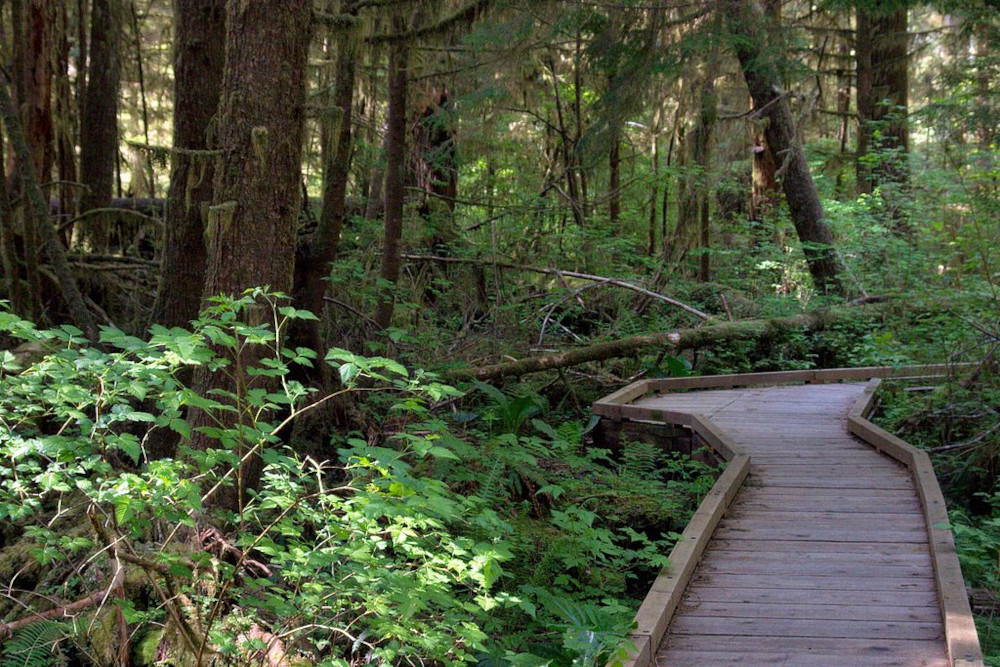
816	529
829	521
750	656
752	490
793	597
845	556
806	510
837	483
793	627
870	648
724	544
960	631
807	505
815	583
881	439
680	418
844	568
928	613
610	405
873	471
820	534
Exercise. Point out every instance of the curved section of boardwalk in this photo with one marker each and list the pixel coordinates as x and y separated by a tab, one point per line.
823	556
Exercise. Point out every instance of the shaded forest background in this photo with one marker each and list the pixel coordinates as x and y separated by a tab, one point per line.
249	248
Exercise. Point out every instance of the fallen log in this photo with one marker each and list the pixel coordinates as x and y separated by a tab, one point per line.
681	339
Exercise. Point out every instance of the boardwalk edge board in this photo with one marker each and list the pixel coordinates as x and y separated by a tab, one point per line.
660	604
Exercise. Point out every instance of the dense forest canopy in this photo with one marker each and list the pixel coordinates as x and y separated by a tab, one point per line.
304	303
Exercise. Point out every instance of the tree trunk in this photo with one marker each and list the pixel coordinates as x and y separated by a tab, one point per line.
615	179
745	23
573	194
36	105
14	286
883	84
436	170
654	195
38	210
199	54
65	119
703	157
251	227
399	55
312	266
99	119
764	188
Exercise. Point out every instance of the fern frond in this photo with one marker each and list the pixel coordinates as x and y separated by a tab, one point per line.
36	645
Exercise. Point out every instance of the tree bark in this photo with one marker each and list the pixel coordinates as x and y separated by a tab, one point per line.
882	89
399	55
99	119
38	211
37	101
251	227
199	55
14	286
745	23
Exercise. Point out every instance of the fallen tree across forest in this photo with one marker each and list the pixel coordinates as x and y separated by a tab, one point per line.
681	339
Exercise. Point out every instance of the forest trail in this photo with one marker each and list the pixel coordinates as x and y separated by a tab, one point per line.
817	552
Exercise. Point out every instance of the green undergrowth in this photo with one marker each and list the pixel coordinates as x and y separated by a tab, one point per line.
474	527
956	423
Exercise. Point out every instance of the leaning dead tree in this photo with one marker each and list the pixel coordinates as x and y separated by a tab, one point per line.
747	24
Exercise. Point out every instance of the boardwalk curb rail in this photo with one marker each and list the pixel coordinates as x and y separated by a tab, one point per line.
659	606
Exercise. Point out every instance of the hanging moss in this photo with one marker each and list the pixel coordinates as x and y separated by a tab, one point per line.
220	219
260	141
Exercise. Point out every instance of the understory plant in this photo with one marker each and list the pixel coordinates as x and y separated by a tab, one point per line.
412	546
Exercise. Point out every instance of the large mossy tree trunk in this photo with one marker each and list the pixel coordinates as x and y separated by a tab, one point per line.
399	55
746	23
251	226
882	75
99	119
199	54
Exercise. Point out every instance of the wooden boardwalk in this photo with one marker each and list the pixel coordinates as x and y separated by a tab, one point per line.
819	554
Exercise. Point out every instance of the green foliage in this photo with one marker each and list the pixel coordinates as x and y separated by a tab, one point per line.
36	645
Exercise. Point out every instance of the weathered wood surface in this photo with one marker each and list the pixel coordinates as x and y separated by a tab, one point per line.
824	556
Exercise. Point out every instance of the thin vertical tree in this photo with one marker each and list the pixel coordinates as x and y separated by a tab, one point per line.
399	57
